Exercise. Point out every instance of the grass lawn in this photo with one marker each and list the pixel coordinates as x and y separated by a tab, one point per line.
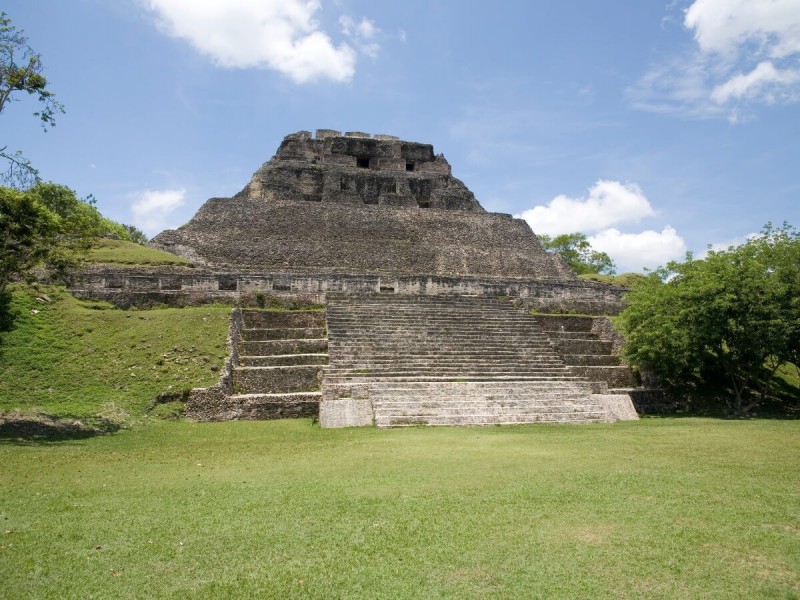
79	359
121	252
661	508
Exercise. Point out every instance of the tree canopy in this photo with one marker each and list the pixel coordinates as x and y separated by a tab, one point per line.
735	312
578	253
21	71
47	226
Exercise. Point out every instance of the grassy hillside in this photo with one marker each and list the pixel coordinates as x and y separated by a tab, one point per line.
661	508
127	253
72	358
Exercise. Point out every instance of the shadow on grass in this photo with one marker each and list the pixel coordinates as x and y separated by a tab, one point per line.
722	416
40	429
6	315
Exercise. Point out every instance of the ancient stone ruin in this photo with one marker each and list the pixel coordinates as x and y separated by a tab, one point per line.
417	280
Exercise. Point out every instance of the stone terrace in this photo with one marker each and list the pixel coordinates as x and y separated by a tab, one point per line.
404	360
274	371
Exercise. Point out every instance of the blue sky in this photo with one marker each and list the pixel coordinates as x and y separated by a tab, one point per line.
654	127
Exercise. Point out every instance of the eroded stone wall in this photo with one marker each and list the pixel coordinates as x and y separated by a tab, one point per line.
247	233
178	286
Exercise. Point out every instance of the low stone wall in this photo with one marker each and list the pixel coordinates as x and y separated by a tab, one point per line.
203	401
177	286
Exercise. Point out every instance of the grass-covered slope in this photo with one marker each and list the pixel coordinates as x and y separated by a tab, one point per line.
121	252
660	508
66	357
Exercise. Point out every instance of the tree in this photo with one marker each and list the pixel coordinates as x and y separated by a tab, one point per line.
578	253
136	235
21	71
27	230
736	312
47	226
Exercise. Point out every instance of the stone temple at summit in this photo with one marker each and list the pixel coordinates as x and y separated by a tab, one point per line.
437	312
355	204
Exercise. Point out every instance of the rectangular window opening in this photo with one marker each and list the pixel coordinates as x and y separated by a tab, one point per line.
424	203
362	163
409	166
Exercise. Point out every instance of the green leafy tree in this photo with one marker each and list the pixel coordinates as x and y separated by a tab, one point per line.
735	312
27	230
135	235
578	253
21	73
47	226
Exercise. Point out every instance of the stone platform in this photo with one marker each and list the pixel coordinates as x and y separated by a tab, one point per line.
415	360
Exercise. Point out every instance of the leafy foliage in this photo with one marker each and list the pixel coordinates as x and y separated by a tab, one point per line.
21	71
736	312
578	253
47	225
135	235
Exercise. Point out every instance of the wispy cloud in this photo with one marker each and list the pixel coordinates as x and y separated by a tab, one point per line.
151	209
746	54
363	34
281	35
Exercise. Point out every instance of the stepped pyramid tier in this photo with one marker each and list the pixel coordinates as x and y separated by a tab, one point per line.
359	204
415	360
274	368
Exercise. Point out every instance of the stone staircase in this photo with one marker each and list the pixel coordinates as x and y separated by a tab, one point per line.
407	360
274	369
586	353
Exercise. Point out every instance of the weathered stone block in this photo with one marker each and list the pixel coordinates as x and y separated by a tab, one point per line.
346	412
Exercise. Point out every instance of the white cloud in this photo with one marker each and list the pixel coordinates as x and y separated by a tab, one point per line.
756	83
722	26
747	53
362	33
608	203
635	251
152	208
281	35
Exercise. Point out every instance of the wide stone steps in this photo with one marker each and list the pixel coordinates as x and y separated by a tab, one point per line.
460	377
284	360
586	354
286	333
465	368
281	356
292	346
592	360
582	346
499	365
270	319
505	388
448	361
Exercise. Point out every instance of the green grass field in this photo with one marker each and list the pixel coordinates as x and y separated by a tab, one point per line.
121	252
661	508
80	359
